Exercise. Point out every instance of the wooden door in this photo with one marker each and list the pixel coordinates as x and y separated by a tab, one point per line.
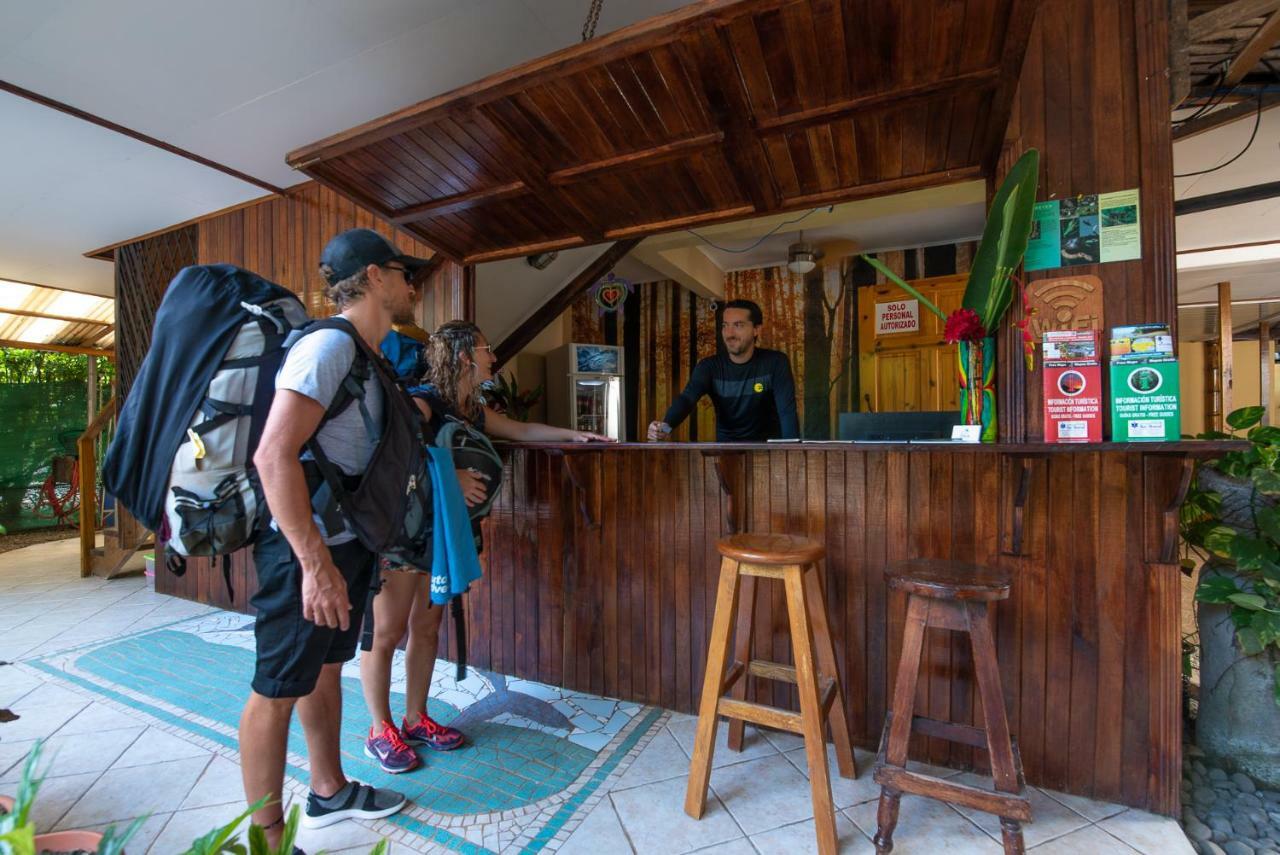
912	370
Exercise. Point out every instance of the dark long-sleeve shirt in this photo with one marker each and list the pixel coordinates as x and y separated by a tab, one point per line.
754	400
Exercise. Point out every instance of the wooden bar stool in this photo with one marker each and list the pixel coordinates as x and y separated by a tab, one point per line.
793	561
955	596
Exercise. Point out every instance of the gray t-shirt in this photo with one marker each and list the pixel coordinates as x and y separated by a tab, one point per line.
316	366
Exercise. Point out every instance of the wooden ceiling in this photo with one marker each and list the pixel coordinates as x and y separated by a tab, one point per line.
721	110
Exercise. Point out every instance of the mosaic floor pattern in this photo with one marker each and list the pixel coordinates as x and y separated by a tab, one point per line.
533	766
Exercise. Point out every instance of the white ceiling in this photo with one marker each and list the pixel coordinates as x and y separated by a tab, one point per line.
238	81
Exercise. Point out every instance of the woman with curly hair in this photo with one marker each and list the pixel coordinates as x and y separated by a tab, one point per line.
457	362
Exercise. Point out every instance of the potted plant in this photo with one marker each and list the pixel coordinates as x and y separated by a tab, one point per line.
1231	525
507	398
18	834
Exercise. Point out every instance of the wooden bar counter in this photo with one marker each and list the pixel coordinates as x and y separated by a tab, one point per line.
601	569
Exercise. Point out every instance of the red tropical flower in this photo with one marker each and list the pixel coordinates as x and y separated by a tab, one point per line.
964	325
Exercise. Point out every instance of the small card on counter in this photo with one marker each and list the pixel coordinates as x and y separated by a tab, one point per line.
966	433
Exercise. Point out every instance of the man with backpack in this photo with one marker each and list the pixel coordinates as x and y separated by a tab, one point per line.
313	571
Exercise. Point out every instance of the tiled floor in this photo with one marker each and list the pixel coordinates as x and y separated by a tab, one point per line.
109	766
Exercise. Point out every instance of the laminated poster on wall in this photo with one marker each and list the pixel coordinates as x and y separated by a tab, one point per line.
1145	400
1092	229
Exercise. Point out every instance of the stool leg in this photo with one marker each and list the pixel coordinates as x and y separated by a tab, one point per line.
904	696
886	820
815	743
704	743
829	667
986	672
742	652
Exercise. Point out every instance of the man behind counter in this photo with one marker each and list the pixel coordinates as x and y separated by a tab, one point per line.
751	387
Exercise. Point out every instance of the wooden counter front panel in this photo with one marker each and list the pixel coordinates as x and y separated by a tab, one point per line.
608	587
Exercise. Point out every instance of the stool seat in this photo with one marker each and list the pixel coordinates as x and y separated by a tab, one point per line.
770	549
949	580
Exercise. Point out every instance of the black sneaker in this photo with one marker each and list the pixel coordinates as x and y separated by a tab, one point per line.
354	801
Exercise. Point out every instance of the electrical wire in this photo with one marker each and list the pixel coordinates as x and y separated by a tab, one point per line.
763	237
1257	123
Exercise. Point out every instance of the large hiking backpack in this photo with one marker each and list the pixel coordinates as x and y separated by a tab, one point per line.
190	420
182	458
472	449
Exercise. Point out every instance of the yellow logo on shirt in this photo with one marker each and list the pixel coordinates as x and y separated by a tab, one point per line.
759	387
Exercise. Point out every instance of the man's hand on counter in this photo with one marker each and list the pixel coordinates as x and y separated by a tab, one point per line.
659	431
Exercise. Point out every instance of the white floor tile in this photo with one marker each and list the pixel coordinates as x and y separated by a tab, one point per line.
99	716
801	838
654	819
600	832
1094	811
39	722
57	796
157	746
185	826
1148	833
762	794
1090	839
1050	818
925	827
78	753
660	760
753	742
122	793
219	785
844	792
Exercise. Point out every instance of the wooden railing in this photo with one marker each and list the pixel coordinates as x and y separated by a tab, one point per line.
123	536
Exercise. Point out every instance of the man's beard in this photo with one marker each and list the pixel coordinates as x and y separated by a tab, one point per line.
740	348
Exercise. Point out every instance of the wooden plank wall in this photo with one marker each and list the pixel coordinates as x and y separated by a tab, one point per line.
281	238
1093	98
623	609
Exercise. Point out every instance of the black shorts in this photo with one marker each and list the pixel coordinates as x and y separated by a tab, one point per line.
291	649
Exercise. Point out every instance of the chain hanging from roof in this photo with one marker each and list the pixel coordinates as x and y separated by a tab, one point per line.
593	18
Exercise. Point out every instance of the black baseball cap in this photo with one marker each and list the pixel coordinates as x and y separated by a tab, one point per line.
353	250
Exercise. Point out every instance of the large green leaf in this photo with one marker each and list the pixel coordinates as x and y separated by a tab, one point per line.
1215	589
1004	242
1250	643
897	280
1266	481
1250	553
1218	540
1252	602
1275	679
1245	417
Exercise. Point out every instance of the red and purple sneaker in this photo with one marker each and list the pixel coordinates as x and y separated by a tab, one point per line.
390	750
425	731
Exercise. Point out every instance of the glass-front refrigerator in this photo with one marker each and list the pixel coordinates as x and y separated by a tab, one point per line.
585	389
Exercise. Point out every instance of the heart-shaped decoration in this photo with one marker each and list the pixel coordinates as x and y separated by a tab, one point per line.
611	296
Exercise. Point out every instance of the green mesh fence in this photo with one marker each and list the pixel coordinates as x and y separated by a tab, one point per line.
39	423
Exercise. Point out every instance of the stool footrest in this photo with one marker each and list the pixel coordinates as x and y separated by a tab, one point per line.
1005	805
761	714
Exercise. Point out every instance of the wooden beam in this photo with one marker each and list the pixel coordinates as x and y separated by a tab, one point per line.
26	313
1226	198
457	202
1225	339
1252	50
717	216
1225	116
984	78
884	188
525	249
58	348
135	135
1179	58
1204	27
1267	357
561	301
637	159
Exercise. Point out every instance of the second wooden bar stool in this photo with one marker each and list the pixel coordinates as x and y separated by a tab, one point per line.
955	596
793	561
